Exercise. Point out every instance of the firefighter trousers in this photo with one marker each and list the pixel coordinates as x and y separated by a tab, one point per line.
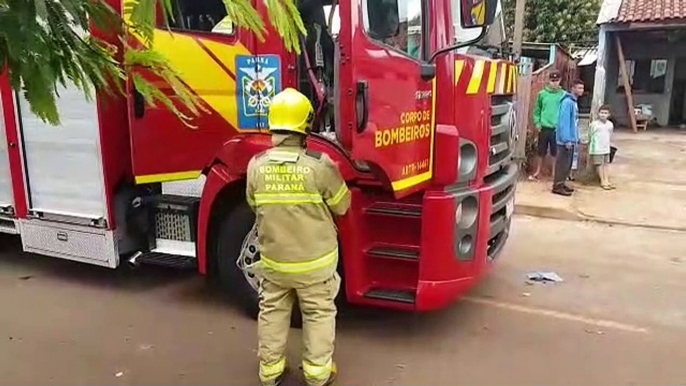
319	324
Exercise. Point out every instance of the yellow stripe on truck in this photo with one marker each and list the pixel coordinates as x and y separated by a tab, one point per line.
202	73
503	76
492	74
459	66
477	75
411	181
513	79
166	177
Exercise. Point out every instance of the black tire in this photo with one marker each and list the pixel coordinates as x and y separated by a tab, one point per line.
233	229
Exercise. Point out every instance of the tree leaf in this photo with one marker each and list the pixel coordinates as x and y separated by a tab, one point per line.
44	43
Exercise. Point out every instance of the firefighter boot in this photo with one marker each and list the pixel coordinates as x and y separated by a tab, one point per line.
280	378
333	377
267	379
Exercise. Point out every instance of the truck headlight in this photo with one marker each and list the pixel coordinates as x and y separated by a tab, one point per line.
469	212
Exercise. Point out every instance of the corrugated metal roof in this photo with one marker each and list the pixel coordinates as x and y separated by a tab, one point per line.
608	11
650	11
585	55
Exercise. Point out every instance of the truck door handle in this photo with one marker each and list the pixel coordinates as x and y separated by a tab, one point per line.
138	104
362	105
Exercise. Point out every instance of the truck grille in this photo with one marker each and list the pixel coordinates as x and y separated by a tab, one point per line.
502	172
502	139
502	204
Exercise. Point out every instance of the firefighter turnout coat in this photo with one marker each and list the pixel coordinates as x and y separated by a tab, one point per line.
294	193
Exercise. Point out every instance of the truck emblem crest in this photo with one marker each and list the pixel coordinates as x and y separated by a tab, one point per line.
259	80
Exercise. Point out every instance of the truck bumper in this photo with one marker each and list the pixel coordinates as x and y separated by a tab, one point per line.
464	230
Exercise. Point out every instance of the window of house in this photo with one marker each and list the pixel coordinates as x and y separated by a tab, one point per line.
646	76
201	15
396	23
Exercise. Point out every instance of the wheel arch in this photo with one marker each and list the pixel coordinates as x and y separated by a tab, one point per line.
225	185
226	199
224	189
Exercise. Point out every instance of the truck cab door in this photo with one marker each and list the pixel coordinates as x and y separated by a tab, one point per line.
206	50
382	46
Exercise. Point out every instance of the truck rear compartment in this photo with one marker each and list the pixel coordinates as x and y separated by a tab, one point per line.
63	164
65	186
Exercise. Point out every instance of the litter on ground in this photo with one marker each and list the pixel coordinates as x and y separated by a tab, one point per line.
544	277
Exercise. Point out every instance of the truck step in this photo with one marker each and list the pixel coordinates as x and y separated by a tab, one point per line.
394	253
165	260
389	209
400	296
8	226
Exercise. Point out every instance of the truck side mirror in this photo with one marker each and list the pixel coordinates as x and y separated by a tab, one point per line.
477	13
473	14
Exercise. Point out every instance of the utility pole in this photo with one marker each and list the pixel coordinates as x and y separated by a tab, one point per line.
520	8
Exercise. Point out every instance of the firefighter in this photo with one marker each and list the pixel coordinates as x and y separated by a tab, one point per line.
295	192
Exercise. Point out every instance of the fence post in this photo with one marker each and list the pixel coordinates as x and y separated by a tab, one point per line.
522	108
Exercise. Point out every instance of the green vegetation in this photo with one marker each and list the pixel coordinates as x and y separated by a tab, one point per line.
47	43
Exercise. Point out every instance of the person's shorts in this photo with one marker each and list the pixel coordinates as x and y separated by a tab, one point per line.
546	140
600	159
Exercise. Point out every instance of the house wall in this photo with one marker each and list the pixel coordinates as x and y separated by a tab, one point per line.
641	50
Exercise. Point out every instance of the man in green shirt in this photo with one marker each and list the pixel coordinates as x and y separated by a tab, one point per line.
546	112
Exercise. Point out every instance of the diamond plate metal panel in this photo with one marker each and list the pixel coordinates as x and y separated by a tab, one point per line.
192	188
85	244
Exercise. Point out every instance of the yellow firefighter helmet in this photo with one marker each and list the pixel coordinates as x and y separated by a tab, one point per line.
291	111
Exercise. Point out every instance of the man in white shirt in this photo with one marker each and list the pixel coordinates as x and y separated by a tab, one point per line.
599	148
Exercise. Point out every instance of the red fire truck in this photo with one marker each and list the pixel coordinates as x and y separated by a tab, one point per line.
422	134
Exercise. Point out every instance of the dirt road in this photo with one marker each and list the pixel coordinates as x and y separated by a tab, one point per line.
617	319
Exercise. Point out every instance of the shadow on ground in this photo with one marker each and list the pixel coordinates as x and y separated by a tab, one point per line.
183	288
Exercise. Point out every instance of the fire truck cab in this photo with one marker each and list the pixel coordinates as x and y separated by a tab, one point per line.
423	136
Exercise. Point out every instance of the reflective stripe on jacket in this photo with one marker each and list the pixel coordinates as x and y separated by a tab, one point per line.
294	193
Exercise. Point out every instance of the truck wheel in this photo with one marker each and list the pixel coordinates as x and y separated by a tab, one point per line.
236	239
